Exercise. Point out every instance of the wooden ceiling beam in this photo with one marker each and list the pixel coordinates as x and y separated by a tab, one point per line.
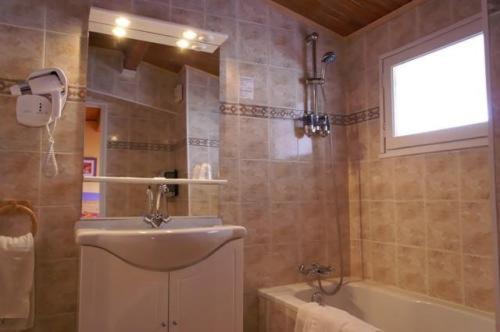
343	16
134	54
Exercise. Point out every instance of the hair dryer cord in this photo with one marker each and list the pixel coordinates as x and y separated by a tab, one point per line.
50	168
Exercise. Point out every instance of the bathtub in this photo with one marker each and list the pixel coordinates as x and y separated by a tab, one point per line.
388	308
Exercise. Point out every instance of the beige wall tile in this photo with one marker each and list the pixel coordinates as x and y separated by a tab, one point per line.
479	284
229	129
57	223
67	16
14	136
259	74
382	179
56	287
285	259
285	223
257	220
408	177
254	180
285	50
254	143
252	41
477	228
258	260
312	225
157	10
20	176
187	17
434	15
445	276
441	176
475	176
412	269
221	7
253	10
284	185
443	225
383	258
283	83
410	223
382	221
68	52
230	170
28	13
403	29
283	141
20	54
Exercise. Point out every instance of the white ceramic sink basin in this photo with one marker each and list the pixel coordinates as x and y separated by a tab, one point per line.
182	242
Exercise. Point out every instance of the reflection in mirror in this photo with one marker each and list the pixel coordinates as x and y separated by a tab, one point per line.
152	110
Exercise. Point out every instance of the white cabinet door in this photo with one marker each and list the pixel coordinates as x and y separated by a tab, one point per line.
119	297
208	296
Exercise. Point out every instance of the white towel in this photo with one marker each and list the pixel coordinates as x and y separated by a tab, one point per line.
315	318
17	266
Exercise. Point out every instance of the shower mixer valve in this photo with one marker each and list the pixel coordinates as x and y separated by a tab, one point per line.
316	124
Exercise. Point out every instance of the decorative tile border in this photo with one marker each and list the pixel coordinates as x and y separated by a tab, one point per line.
361	116
140	146
204	142
258	111
75	93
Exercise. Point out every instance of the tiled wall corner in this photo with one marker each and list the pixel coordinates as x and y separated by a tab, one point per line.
417	222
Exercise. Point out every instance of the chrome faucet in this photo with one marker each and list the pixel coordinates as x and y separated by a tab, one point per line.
316	271
154	216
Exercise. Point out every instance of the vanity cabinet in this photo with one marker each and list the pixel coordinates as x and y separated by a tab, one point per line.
116	296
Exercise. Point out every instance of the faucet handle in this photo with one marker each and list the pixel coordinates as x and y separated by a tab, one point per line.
149	201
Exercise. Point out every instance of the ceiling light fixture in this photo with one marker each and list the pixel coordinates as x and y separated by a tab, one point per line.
189	34
119	32
182	43
122	22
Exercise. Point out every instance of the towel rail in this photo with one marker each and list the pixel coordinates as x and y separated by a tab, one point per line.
20	206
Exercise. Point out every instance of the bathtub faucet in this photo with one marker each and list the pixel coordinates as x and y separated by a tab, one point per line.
316	270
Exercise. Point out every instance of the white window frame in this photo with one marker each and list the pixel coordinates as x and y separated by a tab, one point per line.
440	140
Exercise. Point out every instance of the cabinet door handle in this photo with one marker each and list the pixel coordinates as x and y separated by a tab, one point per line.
174	323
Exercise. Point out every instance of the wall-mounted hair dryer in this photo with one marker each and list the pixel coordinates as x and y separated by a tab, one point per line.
35	109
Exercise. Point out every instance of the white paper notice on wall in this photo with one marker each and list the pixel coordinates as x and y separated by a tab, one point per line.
246	87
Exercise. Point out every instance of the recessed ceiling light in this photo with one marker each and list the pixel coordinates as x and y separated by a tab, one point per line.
119	32
182	43
122	22
189	34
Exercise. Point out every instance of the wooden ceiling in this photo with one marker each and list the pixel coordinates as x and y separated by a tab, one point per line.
164	56
343	16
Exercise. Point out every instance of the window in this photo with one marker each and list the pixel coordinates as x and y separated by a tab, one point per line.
434	93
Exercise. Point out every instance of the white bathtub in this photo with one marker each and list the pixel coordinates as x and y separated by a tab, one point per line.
388	308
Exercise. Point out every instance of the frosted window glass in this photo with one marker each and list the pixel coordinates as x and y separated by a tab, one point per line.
440	90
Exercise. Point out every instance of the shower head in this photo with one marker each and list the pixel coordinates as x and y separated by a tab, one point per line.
329	57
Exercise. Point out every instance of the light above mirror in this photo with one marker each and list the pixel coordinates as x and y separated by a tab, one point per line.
119	32
189	34
153	30
122	22
182	43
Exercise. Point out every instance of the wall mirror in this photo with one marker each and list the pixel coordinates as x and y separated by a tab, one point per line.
152	111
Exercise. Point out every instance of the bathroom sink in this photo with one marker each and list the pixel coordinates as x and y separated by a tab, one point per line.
182	242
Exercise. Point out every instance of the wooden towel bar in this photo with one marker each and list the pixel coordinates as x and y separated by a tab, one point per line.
23	207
